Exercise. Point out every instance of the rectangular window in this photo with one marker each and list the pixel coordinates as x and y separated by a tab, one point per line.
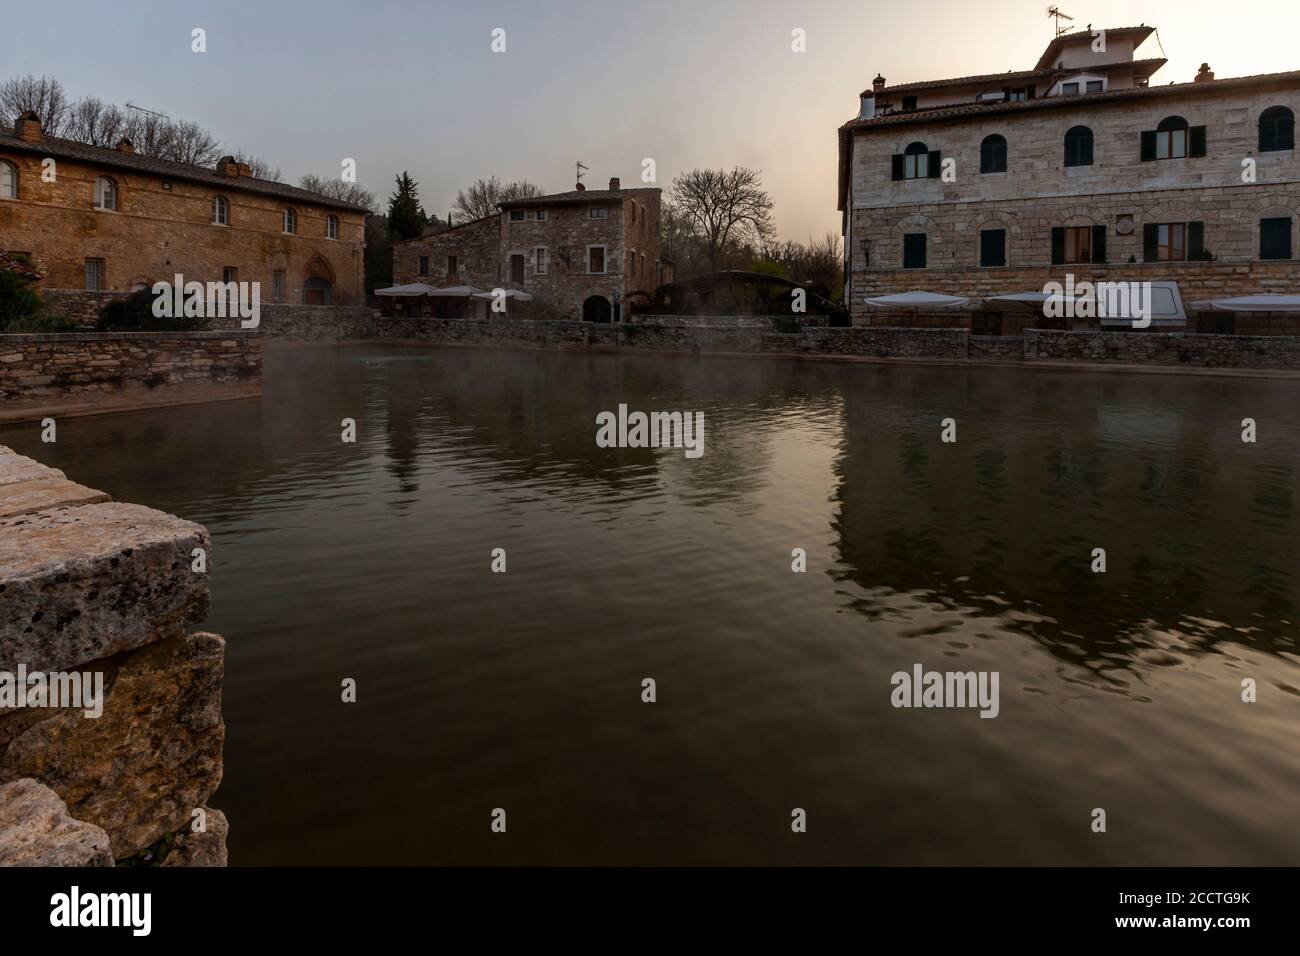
1017	96
1275	238
916	166
909	103
94	275
1171	242
424	265
1078	244
1171	143
596	259
599	212
541	215
539	263
993	247
914	250
277	285
1069	89
1094	86
516	215
453	267
517	269
229	274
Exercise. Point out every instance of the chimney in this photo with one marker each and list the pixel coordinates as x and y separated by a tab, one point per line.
226	166
614	185
877	84
1204	75
124	145
580	188
28	127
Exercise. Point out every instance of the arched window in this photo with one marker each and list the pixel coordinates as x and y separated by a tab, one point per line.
105	193
1171	138
1276	130
331	227
1078	146
220	211
916	161
290	219
8	180
993	154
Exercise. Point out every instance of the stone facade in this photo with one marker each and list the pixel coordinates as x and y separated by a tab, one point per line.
568	250
105	588
37	366
164	223
1118	192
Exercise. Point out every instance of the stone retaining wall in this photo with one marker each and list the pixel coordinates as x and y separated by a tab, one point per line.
316	323
97	587
78	305
1174	348
39	366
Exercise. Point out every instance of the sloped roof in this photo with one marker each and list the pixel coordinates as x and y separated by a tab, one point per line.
1150	65
577	196
1049	55
133	162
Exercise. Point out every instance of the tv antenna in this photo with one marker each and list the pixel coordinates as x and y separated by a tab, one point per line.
1055	11
141	109
581	168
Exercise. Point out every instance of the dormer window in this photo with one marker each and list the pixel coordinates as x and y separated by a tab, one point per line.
1069	89
909	103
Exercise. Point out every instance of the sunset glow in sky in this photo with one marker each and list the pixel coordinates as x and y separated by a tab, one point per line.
398	84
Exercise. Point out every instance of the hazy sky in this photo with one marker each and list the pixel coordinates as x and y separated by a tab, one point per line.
400	84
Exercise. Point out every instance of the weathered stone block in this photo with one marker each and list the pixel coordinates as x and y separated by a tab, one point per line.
201	849
139	770
42	494
79	584
35	830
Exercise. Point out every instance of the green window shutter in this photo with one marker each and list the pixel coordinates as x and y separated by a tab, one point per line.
1058	245
932	165
1150	242
897	166
1275	238
1148	145
993	247
1196	141
1195	241
1098	243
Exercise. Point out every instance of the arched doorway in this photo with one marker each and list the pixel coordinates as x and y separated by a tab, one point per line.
596	309
317	291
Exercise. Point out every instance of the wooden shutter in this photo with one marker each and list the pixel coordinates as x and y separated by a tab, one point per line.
1196	141
1058	245
1150	242
1148	145
932	166
1195	241
1098	243
897	166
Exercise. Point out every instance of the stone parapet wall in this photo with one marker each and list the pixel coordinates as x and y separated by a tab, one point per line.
106	590
77	305
316	323
38	366
1137	348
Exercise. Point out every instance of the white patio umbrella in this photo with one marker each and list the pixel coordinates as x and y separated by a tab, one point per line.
506	293
1250	303
917	299
1023	300
455	291
413	288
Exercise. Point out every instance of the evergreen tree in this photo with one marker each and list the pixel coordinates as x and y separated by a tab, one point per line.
406	218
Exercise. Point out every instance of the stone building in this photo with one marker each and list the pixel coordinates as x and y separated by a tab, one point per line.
586	253
1001	183
98	219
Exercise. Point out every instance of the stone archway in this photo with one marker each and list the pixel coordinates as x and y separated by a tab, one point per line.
318	282
596	309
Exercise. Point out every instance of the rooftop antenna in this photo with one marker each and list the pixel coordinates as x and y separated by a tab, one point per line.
1055	11
132	106
580	170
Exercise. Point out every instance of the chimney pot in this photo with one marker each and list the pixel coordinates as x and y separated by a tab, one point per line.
581	188
1204	74
28	127
614	184
878	83
124	145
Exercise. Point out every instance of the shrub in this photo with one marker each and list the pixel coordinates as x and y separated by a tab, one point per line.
135	314
20	304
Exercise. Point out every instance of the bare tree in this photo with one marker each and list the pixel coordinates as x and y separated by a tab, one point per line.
338	189
188	142
42	95
92	121
481	199
725	207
